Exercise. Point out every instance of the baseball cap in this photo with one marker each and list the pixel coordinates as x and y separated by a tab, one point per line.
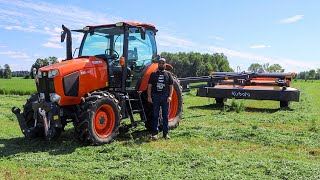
162	59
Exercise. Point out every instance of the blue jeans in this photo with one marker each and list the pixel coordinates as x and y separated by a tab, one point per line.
160	101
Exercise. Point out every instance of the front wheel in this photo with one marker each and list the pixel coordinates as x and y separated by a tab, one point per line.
99	121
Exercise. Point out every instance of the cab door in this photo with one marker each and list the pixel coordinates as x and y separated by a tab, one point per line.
141	53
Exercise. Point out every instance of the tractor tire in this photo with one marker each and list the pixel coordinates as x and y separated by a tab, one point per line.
28	116
175	112
99	120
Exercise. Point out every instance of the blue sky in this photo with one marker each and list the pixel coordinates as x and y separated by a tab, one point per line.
246	31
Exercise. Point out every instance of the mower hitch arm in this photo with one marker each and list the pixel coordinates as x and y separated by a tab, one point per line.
21	120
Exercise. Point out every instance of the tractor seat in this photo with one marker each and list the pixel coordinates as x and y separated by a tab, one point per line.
132	55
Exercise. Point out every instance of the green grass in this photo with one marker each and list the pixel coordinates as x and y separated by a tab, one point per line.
17	86
259	142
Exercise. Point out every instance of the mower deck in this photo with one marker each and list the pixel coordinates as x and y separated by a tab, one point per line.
250	92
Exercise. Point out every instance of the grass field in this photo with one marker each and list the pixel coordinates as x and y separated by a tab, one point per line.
17	86
261	142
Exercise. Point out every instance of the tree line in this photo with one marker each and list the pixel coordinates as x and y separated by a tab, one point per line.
306	75
309	75
185	65
195	64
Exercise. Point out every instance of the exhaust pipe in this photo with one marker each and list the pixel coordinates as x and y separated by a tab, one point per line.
67	32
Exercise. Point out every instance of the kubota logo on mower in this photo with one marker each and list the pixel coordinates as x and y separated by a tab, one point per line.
240	94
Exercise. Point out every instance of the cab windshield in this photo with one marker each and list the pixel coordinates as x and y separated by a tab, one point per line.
103	41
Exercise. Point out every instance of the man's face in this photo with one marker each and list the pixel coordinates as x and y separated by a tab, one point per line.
161	65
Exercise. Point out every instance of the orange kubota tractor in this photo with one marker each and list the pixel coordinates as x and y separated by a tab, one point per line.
106	83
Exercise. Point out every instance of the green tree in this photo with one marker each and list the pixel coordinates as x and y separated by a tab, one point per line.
311	74
52	60
266	66
7	74
317	76
254	67
302	75
1	72
196	64
275	68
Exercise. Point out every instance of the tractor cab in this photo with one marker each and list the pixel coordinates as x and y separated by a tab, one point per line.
127	49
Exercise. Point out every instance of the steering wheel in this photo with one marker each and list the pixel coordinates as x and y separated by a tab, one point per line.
115	54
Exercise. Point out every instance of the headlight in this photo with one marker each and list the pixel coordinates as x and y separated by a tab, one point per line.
53	73
39	73
54	97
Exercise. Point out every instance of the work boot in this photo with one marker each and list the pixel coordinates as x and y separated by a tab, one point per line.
166	136
154	137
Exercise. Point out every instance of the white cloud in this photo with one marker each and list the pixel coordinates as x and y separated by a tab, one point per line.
292	64
3	46
30	29
55	39
292	19
47	15
52	45
218	38
169	40
29	60
15	54
260	46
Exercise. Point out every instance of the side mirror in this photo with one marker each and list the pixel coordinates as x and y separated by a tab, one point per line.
143	33
34	72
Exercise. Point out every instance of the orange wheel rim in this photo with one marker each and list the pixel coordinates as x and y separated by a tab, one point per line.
173	106
104	121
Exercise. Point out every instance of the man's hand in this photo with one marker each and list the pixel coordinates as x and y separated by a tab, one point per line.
169	99
149	99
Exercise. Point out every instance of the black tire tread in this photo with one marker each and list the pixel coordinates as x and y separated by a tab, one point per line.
82	126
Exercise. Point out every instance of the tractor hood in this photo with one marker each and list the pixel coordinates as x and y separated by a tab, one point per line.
77	64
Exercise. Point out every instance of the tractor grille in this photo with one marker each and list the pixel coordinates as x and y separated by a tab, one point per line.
46	86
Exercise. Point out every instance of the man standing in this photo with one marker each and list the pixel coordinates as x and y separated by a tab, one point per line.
160	90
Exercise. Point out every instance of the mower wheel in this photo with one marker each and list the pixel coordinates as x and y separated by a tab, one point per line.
220	101
284	104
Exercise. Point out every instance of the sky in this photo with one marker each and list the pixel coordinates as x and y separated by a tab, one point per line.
285	32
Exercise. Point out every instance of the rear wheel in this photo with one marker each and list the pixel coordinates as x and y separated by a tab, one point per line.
99	120
175	113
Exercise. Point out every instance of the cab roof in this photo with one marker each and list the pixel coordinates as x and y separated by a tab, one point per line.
128	23
132	24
